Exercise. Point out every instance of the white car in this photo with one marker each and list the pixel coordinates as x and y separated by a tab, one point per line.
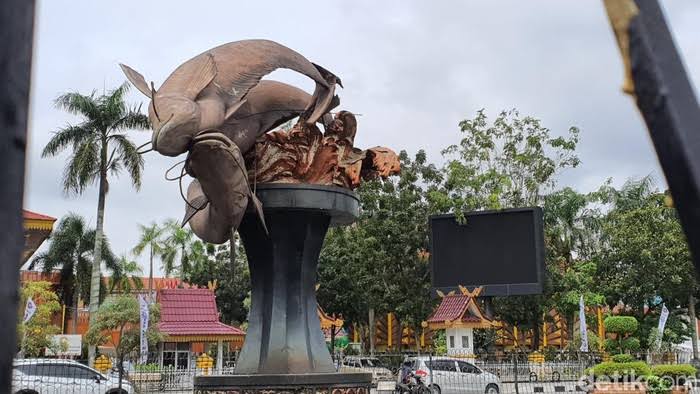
367	364
445	375
55	376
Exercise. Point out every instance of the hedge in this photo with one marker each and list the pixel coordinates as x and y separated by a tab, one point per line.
611	368
623	358
677	370
621	324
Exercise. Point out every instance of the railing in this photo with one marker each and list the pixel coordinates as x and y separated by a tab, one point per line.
516	373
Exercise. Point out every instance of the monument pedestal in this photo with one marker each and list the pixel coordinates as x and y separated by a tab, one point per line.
284	348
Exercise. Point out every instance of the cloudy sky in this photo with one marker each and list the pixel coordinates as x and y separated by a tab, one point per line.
413	69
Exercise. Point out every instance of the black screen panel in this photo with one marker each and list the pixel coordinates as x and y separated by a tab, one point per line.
500	250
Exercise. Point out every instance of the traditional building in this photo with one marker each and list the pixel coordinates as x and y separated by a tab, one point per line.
37	228
459	314
190	320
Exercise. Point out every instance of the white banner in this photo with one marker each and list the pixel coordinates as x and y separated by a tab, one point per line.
662	324
143	306
582	323
29	310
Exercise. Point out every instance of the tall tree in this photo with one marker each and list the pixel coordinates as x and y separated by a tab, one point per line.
510	162
151	239
100	147
572	224
71	250
645	259
174	247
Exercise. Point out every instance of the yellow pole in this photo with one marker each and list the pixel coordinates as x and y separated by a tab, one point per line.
63	320
422	339
355	334
515	336
388	329
601	329
544	334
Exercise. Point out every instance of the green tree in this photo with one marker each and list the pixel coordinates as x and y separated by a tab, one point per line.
509	163
121	314
645	259
211	265
127	277
100	147
381	262
572	232
37	333
71	249
150	239
177	241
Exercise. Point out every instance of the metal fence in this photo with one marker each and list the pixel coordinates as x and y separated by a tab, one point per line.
518	373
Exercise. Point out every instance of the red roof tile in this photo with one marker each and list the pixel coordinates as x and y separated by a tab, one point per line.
451	308
36	216
191	312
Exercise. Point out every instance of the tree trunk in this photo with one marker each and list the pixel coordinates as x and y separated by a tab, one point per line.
150	277
535	333
371	331
693	325
570	321
76	297
97	253
182	264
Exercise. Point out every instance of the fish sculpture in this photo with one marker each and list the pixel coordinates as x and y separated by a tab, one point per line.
213	107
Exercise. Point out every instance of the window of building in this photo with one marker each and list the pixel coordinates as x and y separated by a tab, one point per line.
465	341
176	354
452	341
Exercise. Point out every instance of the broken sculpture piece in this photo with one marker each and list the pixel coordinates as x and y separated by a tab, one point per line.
214	107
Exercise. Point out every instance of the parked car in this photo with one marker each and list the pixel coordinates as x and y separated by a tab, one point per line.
33	376
367	364
445	375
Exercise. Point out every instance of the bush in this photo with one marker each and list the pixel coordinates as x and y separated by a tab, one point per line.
623	358
621	324
150	367
611	368
674	371
631	344
656	385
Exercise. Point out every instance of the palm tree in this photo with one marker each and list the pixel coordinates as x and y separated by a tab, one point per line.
100	147
71	249
177	241
127	278
151	239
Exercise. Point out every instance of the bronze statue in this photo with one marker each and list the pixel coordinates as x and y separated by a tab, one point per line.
215	107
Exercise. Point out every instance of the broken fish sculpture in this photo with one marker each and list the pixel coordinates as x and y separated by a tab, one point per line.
214	107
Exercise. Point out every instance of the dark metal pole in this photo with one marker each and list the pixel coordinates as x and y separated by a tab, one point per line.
656	76
16	38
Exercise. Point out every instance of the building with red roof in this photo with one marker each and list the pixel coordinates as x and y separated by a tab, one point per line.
190	320
459	314
37	228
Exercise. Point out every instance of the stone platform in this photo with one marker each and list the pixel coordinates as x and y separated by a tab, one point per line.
321	383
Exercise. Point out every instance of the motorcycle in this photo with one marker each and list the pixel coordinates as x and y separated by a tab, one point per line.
412	384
